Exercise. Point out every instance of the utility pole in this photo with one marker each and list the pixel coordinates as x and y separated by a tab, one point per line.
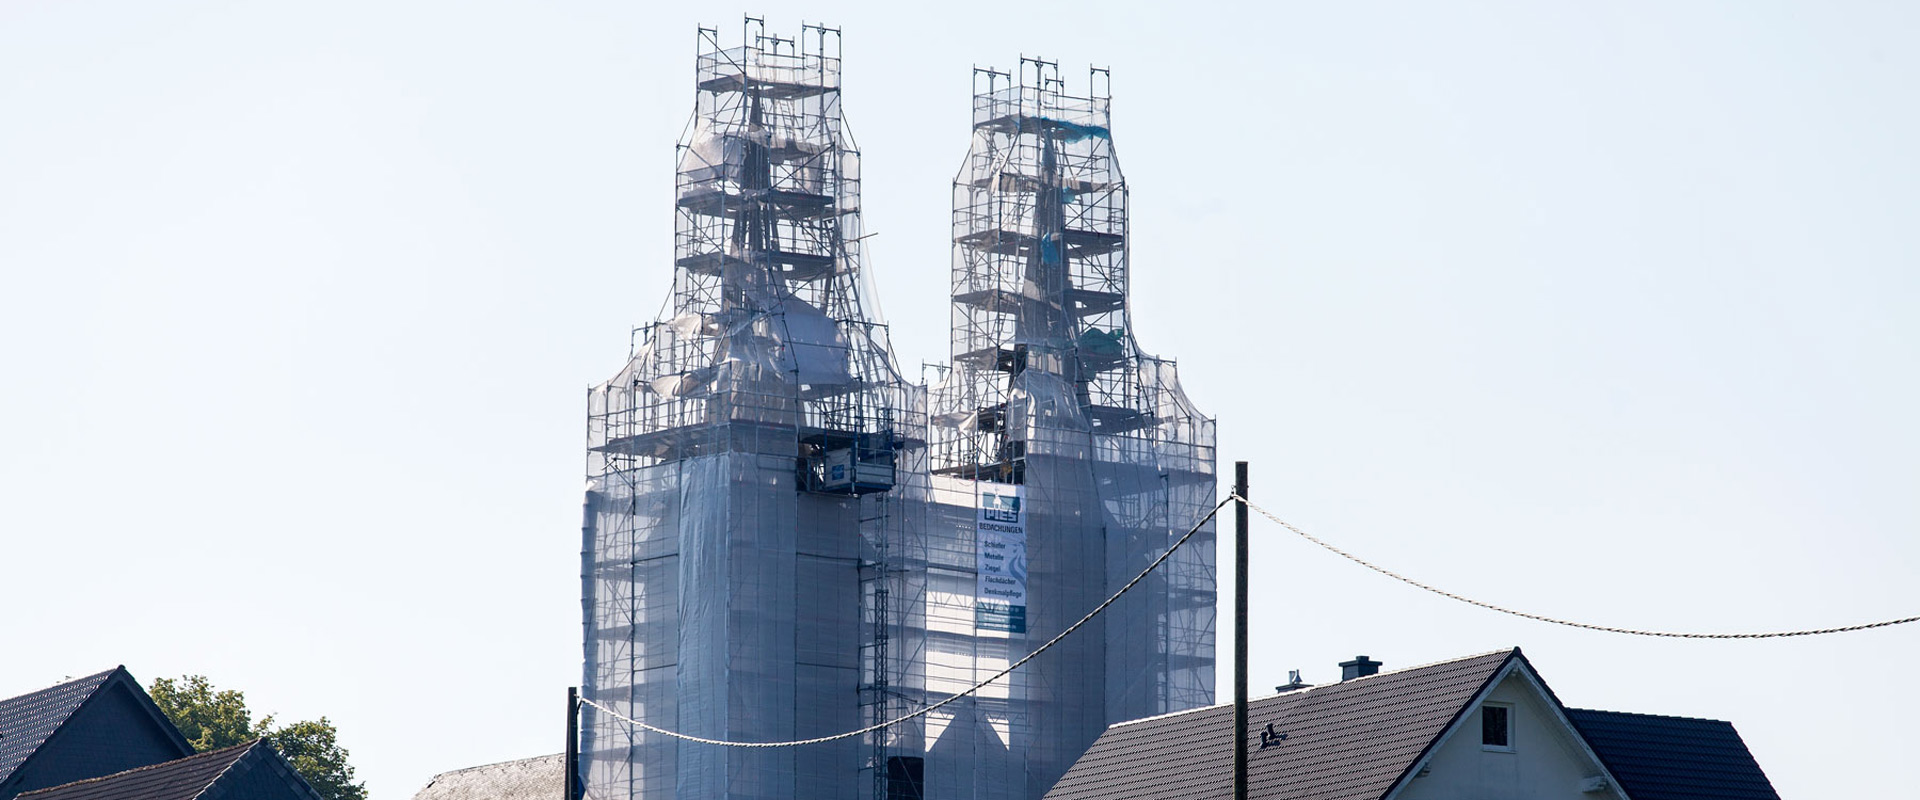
1240	632
572	767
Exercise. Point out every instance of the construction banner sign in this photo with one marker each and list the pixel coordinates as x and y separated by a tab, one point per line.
1000	599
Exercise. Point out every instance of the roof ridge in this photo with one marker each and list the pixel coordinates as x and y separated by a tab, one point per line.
1323	685
1170	714
1302	692
102	678
103	674
229	767
194	757
1429	665
498	764
1643	714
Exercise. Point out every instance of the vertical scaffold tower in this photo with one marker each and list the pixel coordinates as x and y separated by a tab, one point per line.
1051	401
746	468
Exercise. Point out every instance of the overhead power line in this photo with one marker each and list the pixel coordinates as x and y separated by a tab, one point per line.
936	706
1070	629
1569	623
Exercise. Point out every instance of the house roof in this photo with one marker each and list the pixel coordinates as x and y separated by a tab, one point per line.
29	722
1353	739
26	721
540	778
180	779
1673	758
228	772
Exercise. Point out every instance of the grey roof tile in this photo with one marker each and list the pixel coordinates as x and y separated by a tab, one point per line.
250	771
180	779
26	721
540	778
1673	758
1353	739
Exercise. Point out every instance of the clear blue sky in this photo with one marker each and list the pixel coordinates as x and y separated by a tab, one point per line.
1607	310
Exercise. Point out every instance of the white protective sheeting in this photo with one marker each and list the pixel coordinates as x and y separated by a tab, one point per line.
732	590
813	349
724	594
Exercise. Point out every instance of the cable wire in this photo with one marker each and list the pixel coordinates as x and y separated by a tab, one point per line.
1115	597
1569	623
936	706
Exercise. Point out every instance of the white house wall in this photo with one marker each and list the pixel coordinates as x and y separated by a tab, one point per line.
1548	761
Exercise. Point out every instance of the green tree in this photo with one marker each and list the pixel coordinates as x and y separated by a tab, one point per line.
312	747
209	719
212	719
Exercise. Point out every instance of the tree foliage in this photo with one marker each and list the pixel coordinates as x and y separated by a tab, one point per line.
212	719
209	719
313	748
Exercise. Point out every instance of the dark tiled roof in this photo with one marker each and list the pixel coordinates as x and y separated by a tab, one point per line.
180	779
1353	739
1673	758
539	778
26	721
251	771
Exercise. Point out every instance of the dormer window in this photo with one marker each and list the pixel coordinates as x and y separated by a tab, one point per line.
1496	728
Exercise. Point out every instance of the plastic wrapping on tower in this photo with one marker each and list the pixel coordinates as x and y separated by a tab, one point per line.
723	580
1049	391
778	544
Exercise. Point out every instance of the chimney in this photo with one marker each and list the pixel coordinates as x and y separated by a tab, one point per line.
1293	683
1359	667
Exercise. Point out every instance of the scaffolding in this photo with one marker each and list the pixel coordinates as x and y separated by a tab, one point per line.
780	541
743	466
1049	391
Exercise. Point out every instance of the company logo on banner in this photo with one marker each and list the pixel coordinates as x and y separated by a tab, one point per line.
1000	598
